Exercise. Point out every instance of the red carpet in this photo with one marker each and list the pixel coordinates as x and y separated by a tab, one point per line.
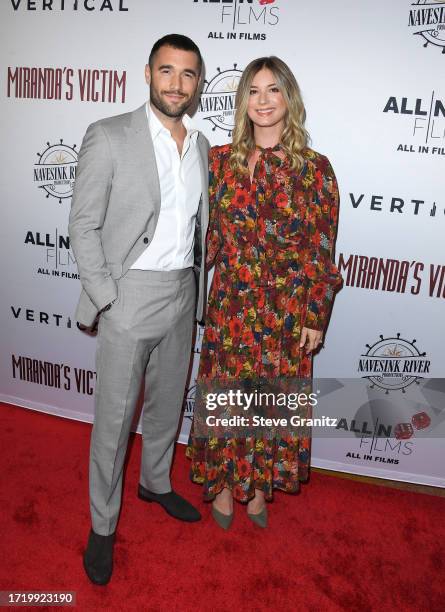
339	545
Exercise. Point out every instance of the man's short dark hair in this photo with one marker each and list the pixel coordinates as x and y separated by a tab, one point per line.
177	41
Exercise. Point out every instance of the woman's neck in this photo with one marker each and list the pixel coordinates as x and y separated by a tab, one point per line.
266	137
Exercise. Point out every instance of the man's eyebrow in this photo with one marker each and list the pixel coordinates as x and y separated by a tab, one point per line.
189	70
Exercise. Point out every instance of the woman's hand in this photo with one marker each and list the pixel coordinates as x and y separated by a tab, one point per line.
312	338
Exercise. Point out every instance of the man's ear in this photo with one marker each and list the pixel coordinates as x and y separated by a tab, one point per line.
147	74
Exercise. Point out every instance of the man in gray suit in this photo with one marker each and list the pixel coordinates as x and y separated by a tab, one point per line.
137	226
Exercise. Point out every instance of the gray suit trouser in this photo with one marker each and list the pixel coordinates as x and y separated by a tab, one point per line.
145	335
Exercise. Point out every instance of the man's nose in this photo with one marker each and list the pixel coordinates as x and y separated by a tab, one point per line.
175	81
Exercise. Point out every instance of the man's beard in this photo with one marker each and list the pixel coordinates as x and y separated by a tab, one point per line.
165	108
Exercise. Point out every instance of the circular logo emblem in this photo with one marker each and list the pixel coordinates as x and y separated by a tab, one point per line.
427	19
217	102
55	171
393	363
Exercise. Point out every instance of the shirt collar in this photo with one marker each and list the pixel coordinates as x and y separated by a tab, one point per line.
156	126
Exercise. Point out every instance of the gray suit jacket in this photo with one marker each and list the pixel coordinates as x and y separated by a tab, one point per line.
115	208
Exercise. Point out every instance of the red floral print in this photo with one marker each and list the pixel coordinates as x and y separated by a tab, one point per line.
271	241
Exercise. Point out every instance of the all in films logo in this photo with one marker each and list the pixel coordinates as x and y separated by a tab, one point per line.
393	363
241	19
217	103
55	171
427	19
424	117
56	257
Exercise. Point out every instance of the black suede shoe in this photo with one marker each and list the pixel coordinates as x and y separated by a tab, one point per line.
98	558
173	504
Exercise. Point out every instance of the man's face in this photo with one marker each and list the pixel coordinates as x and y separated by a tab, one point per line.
173	80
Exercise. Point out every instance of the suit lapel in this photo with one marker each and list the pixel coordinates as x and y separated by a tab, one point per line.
146	158
145	155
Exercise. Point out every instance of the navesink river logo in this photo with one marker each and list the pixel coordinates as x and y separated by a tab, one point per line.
55	170
217	103
427	20
393	363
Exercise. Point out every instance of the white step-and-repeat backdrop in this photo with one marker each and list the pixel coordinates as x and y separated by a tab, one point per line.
371	73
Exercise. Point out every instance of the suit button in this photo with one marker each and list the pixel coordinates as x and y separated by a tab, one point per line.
145	240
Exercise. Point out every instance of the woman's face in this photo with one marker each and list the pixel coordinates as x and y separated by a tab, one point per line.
266	106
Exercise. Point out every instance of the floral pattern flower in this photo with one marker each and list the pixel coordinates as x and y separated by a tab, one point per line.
271	241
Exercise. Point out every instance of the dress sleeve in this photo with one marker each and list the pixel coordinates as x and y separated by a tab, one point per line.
322	275
214	238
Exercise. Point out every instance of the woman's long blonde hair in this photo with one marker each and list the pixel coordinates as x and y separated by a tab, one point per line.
294	138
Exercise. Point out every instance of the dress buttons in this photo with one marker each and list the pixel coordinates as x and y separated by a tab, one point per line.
145	240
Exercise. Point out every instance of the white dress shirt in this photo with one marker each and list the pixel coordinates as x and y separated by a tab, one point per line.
180	183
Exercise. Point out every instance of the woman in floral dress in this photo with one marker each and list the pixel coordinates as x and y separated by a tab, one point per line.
273	217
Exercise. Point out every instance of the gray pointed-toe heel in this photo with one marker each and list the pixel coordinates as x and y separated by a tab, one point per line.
223	520
259	519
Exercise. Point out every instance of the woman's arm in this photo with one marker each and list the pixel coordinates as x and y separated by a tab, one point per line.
322	275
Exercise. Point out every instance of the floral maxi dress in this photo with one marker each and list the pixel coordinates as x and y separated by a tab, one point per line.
271	241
